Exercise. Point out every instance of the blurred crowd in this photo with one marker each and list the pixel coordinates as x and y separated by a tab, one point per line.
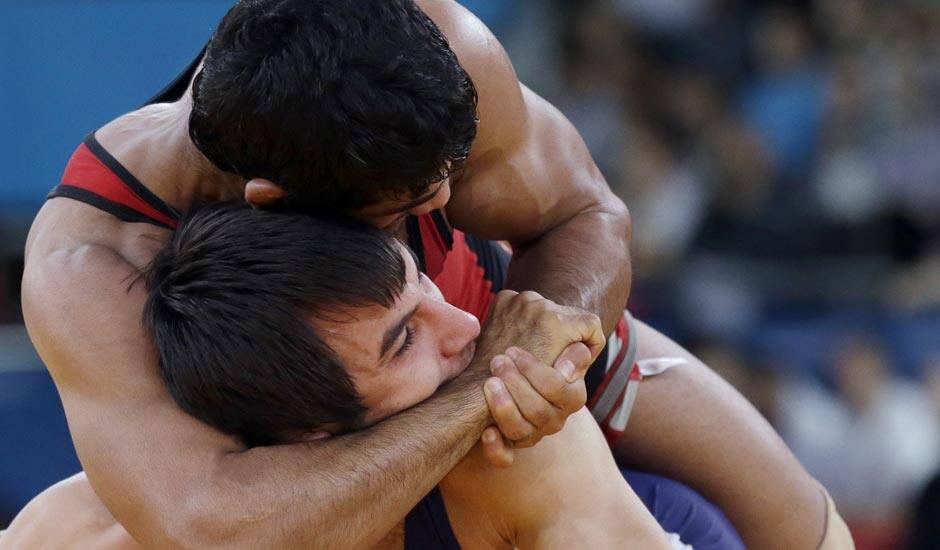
782	164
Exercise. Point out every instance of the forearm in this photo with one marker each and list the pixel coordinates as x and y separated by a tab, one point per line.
344	492
360	484
583	263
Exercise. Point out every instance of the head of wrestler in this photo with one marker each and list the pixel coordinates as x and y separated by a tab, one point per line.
275	326
357	106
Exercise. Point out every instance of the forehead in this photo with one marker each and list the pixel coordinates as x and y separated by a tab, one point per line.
355	333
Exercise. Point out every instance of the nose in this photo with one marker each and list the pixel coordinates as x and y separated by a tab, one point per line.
439	200
455	328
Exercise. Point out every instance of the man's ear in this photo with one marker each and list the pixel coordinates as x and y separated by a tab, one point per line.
263	193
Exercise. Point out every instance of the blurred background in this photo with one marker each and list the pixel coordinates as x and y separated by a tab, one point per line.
781	161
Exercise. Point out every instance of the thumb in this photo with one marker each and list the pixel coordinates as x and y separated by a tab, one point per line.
573	362
497	450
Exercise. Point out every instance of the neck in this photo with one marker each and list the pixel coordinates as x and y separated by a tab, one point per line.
198	180
154	144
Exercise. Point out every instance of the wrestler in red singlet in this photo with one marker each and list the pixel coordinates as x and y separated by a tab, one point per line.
468	270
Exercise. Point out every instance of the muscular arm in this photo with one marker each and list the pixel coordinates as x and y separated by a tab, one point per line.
173	482
531	181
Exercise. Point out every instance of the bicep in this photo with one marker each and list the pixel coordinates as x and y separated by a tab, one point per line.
529	183
529	171
142	454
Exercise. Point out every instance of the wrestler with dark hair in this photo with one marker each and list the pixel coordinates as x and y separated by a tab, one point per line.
370	107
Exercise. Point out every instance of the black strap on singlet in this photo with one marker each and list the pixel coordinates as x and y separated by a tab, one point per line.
443	227
175	89
427	526
493	258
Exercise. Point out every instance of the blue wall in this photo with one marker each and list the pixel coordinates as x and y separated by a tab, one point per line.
69	66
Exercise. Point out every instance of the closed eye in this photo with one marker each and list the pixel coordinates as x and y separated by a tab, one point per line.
409	341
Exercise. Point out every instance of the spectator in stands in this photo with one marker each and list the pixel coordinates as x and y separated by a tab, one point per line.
885	445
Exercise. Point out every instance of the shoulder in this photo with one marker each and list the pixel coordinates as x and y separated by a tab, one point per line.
545	481
67	515
79	302
501	105
78	257
474	44
57	281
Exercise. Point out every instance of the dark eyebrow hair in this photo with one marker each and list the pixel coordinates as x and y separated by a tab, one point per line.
415	202
393	331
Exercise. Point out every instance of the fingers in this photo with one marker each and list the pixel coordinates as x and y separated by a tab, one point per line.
505	413
574	361
497	450
591	331
543	415
551	385
529	399
530	296
543	327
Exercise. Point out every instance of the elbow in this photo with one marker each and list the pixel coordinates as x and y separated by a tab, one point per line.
212	520
183	530
619	216
626	221
211	526
621	228
205	522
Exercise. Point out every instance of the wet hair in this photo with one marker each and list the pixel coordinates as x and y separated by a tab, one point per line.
231	305
343	103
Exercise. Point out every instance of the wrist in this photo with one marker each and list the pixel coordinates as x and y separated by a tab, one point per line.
466	392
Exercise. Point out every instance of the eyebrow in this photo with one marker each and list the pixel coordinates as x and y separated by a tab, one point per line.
393	331
420	200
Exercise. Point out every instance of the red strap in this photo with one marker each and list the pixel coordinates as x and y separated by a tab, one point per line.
87	172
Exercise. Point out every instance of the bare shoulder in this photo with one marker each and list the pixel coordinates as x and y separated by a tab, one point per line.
565	492
73	284
82	295
501	103
469	37
541	483
67	515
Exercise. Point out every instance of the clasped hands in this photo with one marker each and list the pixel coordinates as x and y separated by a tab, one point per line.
539	352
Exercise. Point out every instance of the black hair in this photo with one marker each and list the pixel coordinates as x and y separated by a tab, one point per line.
232	299
343	103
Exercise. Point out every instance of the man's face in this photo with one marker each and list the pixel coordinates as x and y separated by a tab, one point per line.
399	356
390	214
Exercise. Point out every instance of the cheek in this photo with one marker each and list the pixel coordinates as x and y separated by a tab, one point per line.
422	378
402	386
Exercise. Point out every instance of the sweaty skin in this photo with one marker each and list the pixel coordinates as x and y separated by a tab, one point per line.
566	491
551	498
174	482
529	180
